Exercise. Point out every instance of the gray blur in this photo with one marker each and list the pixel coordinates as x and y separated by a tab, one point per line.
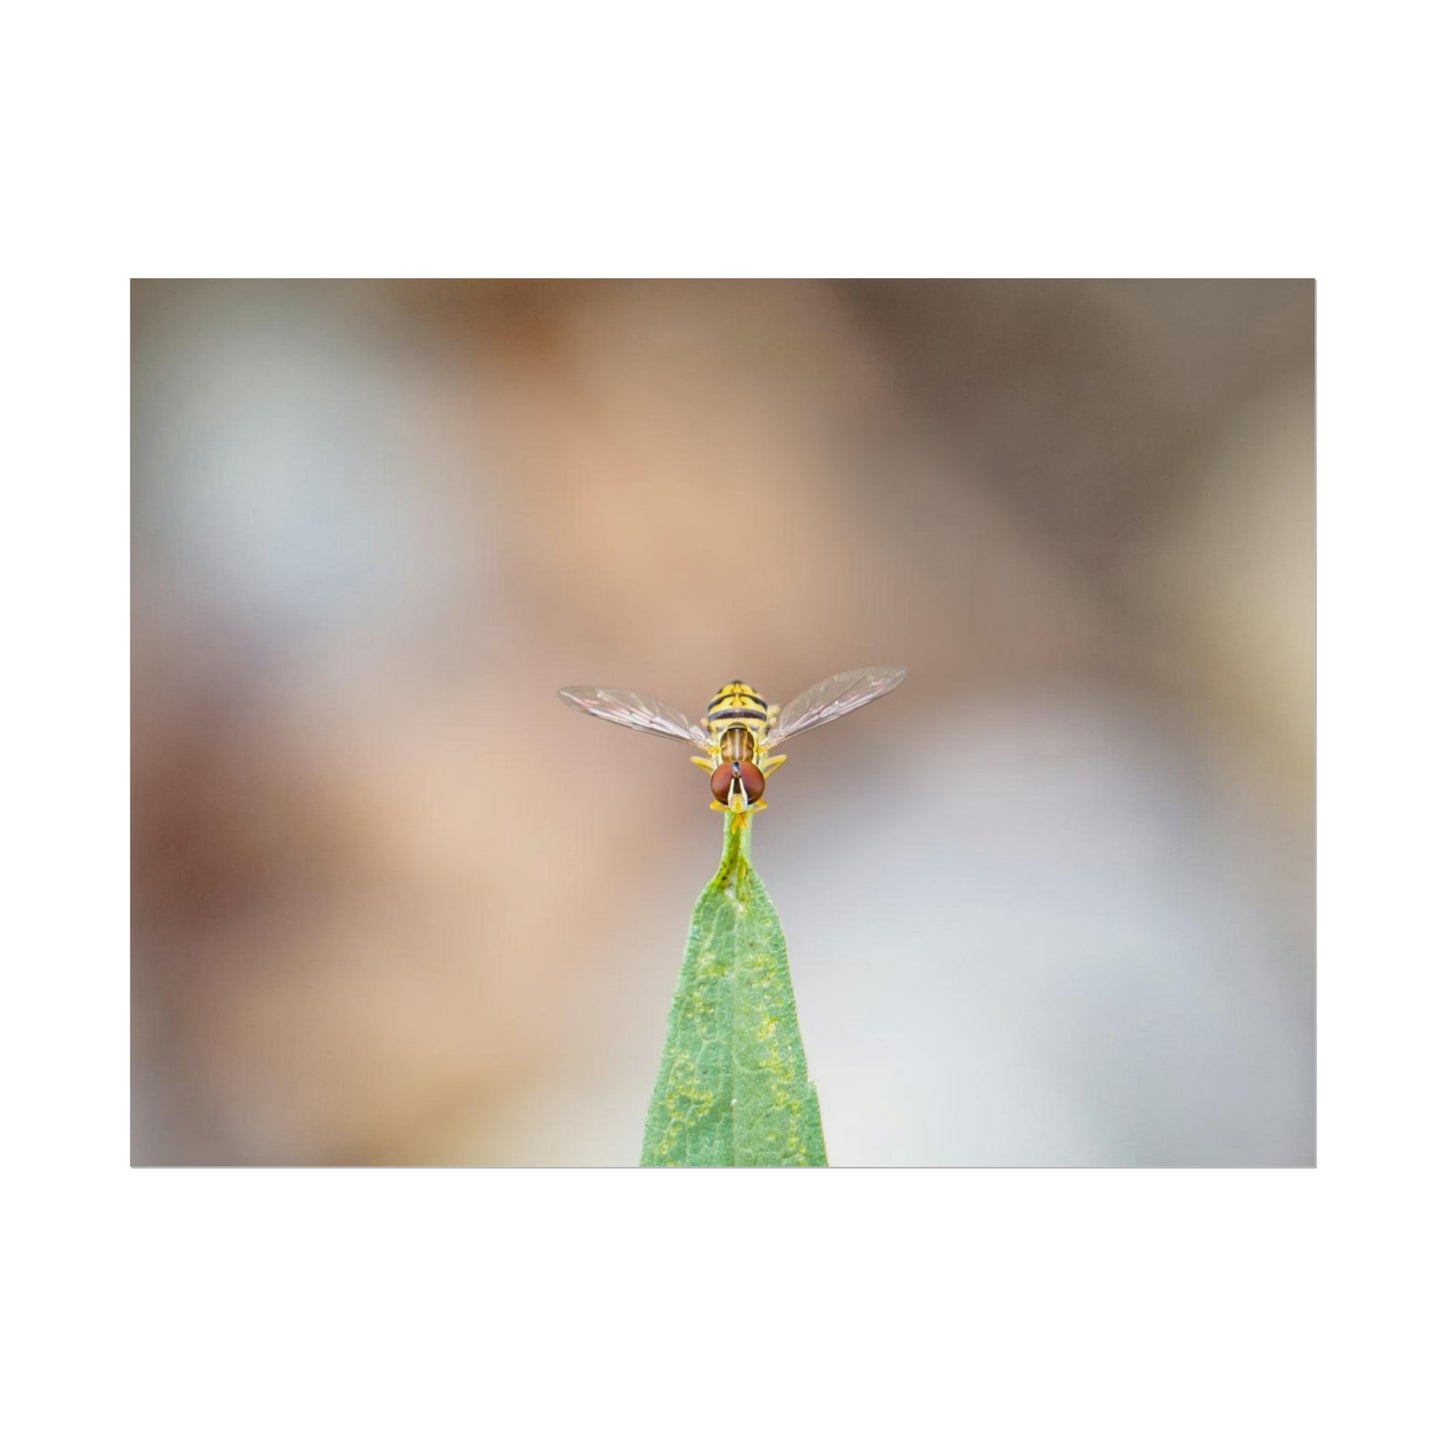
1051	903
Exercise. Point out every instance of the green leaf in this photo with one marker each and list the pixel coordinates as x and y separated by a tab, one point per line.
733	1087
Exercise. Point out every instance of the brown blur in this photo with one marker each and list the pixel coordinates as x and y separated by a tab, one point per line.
1050	903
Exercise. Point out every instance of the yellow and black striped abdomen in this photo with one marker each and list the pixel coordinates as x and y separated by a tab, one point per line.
738	706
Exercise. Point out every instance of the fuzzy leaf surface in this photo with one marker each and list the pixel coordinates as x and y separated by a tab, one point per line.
733	1088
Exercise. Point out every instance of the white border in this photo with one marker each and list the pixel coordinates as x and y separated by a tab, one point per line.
1005	1305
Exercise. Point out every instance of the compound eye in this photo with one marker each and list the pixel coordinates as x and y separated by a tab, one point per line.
752	780
722	782
745	776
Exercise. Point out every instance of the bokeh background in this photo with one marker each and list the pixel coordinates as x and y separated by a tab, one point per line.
1051	903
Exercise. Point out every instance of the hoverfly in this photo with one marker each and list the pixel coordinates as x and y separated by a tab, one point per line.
739	730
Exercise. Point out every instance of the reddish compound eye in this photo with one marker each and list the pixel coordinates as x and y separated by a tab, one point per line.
743	775
722	782
752	781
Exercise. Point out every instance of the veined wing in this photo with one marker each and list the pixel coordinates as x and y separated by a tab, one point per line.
830	699
634	710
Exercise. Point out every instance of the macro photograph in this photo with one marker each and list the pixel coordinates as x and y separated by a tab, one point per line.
956	645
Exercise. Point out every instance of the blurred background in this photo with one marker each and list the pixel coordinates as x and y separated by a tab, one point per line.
1051	903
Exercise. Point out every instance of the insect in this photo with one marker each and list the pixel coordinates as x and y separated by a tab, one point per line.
739	730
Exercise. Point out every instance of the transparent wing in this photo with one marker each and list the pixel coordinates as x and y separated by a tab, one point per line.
833	697
634	710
